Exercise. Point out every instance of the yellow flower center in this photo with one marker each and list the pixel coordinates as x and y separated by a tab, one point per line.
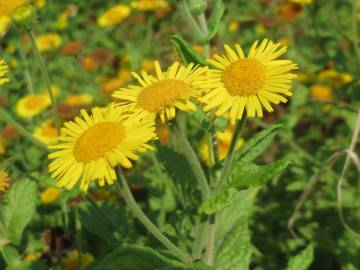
245	77
34	102
161	94
98	140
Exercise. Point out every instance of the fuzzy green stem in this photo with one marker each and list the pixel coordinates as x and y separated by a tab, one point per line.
190	19
187	150
139	214
27	75
4	115
46	78
205	32
200	237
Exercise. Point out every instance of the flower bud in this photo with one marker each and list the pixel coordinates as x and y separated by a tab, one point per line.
197	6
24	16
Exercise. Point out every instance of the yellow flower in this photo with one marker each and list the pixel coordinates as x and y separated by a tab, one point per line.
46	133
302	2
39	3
233	26
32	105
32	256
78	100
147	5
160	95
62	20
50	195
238	82
55	89
78	261
147	65
321	92
48	42
114	15
335	78
260	29
8	6
92	145
4	25
3	71
224	141
4	180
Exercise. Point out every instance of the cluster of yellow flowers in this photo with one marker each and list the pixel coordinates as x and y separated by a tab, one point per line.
94	143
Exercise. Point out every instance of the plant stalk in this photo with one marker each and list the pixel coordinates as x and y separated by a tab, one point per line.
139	214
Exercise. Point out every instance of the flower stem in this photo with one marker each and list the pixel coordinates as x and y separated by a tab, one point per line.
4	115
184	9
27	75
139	214
46	77
231	153
205	32
187	150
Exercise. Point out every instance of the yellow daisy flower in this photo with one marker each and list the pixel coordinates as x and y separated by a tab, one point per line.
46	133
8	6
3	71
147	5
78	100
114	15
50	195
92	145
162	94
321	92
32	105
4	180
238	82
48	42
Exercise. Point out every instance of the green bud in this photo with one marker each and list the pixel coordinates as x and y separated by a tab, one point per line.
24	16
197	6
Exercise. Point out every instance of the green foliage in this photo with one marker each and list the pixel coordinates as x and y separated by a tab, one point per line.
244	175
215	19
235	251
137	258
186	52
303	260
258	144
18	210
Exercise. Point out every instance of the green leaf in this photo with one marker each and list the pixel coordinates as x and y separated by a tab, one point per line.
11	256
303	260
243	176
258	144
186	52
18	210
235	251
215	19
137	258
97	224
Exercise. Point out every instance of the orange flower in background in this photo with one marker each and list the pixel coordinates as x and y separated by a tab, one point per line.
50	195
289	12
89	63
321	92
73	48
79	100
149	5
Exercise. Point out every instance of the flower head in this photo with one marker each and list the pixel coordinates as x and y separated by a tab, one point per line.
46	133
48	42
114	15
147	5
168	91
32	105
79	100
238	82
50	195
92	145
3	71
8	6
321	92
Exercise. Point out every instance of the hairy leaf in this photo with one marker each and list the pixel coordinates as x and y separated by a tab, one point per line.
235	251
258	144
215	19
19	209
186	52
137	258
303	260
